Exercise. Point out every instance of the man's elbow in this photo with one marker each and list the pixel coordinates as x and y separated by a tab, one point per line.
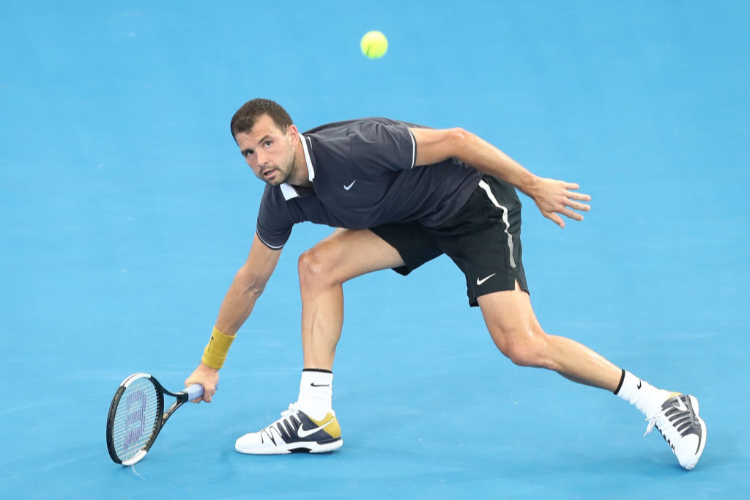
460	139
458	134
461	142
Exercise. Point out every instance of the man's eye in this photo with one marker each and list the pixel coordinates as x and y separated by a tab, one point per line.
267	143
248	153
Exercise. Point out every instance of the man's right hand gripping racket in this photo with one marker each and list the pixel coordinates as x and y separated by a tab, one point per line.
136	416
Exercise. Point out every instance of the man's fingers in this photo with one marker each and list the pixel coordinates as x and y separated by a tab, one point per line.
209	394
571	214
554	218
551	203
578	206
578	196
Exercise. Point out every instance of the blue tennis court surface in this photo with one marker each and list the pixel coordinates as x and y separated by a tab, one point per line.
126	209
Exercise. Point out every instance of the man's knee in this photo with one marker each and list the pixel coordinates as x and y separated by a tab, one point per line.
523	347
316	267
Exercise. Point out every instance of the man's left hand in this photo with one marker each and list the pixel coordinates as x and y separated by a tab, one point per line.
554	197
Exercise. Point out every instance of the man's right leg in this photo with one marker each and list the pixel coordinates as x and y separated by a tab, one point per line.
516	332
323	270
310	424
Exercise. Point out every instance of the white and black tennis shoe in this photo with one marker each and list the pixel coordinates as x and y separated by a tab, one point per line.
678	422
294	432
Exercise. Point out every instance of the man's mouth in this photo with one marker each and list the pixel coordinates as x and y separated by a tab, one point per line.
267	174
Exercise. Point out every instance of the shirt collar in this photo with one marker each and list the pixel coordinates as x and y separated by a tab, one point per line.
289	191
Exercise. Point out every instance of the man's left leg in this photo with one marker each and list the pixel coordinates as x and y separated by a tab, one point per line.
515	330
310	424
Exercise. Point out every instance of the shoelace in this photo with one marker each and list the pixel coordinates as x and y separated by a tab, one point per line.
658	418
652	422
289	411
284	414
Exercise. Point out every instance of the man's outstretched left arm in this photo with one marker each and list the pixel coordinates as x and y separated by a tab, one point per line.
551	196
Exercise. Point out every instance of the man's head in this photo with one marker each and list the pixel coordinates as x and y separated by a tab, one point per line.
268	140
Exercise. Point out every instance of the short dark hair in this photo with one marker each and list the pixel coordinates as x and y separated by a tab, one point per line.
244	119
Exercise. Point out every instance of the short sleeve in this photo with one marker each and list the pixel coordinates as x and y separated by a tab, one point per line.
275	220
383	146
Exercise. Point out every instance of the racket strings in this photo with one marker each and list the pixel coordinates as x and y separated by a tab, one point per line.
136	418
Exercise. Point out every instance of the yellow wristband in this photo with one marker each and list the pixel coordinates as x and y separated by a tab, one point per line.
216	351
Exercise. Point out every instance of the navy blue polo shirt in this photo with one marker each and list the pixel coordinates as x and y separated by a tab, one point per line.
363	175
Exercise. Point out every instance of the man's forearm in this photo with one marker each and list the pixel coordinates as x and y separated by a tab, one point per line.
486	158
237	305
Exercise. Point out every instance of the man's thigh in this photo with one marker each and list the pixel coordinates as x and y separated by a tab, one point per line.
353	252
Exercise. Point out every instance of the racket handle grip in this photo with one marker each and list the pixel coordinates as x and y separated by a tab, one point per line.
194	391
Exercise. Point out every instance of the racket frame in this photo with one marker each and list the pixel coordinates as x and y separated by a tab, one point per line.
192	392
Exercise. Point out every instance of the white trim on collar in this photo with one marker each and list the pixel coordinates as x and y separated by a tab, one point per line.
310	171
288	190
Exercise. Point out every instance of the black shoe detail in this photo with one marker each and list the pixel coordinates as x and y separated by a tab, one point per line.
289	427
685	421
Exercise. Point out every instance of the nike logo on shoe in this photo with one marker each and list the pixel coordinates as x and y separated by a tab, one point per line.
349	186
304	433
680	405
639	384
479	282
313	384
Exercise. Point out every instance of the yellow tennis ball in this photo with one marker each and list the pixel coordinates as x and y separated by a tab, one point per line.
374	44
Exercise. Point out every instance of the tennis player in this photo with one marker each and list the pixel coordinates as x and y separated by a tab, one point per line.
402	194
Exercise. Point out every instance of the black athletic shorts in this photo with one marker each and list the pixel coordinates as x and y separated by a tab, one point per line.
483	239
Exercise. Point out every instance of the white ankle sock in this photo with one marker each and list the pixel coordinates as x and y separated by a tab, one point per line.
315	392
639	393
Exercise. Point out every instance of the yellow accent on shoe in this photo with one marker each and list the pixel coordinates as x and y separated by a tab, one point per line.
334	429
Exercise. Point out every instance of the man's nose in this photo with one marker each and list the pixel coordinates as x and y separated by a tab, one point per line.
262	159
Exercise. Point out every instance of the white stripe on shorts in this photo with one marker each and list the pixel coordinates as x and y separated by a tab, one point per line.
492	198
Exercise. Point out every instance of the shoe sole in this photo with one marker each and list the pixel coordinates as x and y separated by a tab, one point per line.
286	449
690	465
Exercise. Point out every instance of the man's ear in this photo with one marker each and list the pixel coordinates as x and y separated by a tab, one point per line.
293	132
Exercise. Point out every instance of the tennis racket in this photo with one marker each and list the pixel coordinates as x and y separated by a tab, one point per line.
136	416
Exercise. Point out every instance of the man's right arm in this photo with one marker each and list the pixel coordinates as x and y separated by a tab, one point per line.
551	196
248	285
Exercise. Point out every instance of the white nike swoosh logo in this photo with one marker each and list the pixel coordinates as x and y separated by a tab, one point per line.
304	433
479	282
680	405
349	186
